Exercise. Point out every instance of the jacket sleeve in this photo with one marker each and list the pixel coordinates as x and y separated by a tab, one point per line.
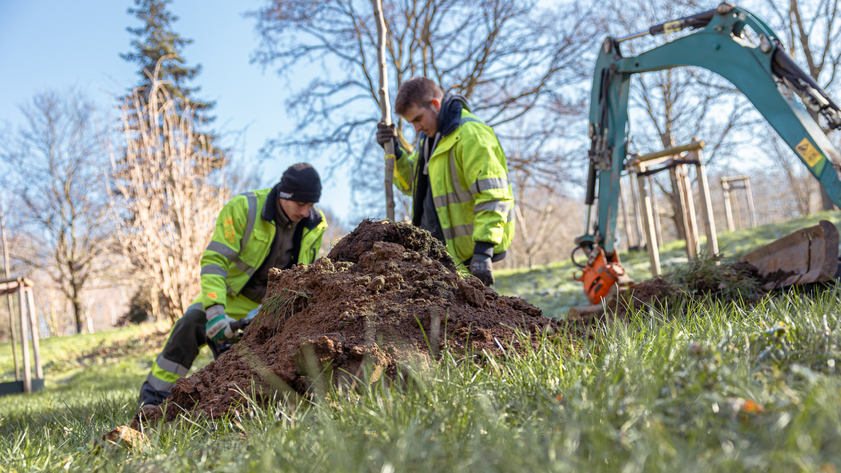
486	175
403	167
314	240
316	246
222	252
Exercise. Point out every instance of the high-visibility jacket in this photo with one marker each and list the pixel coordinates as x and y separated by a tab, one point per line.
241	242
468	175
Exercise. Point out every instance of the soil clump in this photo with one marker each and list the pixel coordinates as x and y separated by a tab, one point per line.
387	295
701	278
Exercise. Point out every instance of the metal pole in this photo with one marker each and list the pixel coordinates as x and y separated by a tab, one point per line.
24	340
33	321
9	296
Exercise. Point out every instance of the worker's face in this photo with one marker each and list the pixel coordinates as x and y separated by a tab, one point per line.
424	117
295	210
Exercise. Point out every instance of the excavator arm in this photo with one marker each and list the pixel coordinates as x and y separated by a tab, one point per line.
763	72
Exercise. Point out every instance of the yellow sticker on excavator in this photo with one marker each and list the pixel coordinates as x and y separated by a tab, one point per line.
672	26
808	152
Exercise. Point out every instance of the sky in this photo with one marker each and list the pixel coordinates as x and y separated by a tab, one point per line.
59	44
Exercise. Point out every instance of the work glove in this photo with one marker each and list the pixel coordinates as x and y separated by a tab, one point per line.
480	266
218	325
386	133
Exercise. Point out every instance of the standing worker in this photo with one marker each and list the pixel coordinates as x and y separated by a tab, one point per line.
457	176
255	231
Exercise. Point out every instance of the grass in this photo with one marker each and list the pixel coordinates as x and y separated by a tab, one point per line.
713	387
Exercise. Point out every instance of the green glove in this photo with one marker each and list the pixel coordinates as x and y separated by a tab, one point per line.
218	325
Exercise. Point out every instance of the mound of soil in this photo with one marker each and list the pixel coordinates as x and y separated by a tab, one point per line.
386	295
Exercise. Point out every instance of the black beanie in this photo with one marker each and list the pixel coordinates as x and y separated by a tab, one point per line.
300	183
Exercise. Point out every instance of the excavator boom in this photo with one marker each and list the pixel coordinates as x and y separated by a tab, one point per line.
758	66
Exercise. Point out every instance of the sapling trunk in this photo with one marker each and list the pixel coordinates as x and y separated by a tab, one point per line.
385	106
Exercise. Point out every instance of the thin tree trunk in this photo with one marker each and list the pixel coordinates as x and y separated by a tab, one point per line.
77	310
385	106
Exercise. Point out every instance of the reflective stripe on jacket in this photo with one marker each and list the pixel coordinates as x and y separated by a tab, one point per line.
239	245
469	178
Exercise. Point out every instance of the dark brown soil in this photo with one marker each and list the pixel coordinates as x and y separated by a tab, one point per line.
651	293
365	310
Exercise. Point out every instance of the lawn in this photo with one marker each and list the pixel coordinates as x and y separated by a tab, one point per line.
710	388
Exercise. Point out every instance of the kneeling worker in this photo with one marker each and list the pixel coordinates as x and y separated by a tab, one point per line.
457	176
255	231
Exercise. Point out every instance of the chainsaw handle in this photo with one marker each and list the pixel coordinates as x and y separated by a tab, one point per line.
572	257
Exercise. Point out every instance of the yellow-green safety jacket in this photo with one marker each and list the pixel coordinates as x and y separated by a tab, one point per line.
241	242
470	189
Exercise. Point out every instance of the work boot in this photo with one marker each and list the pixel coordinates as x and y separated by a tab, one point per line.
151	397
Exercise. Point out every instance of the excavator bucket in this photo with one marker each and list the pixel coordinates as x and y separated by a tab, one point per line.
806	256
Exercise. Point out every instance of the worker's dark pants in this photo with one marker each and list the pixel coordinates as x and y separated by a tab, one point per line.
181	349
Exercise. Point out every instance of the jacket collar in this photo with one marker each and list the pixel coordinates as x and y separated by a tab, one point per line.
449	117
270	211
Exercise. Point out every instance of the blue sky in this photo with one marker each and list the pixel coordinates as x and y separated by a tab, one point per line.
57	44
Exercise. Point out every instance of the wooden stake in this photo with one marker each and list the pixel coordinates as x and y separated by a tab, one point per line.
728	211
24	340
9	296
706	204
655	209
625	224
637	216
648	226
751	208
33	323
693	245
385	106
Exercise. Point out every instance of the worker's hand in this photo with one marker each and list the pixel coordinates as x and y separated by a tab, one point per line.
386	133
218	325
481	267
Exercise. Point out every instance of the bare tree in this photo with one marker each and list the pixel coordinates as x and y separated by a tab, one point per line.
812	32
167	194
505	56
55	165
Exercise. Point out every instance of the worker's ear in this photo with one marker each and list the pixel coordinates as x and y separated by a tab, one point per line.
436	104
